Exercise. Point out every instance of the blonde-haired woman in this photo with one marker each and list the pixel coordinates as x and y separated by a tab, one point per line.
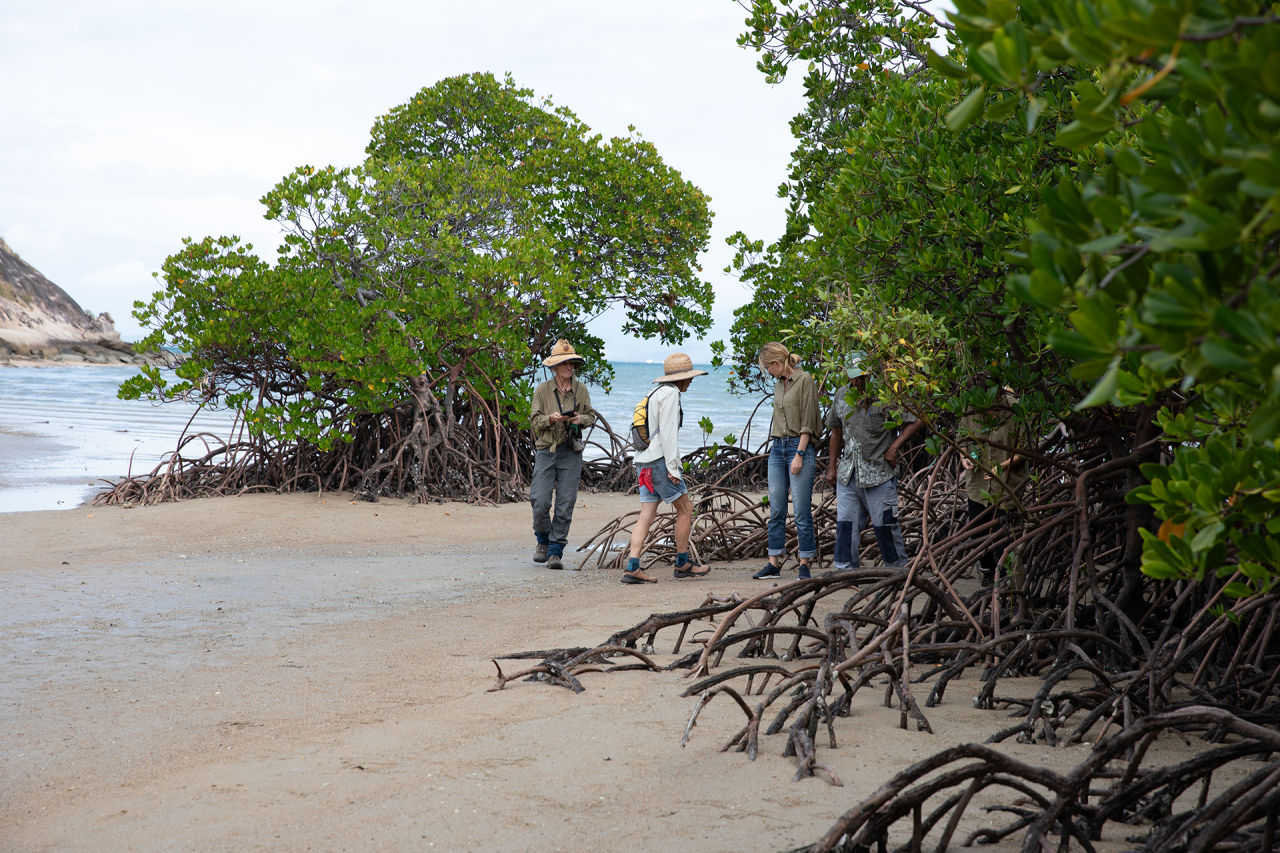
792	457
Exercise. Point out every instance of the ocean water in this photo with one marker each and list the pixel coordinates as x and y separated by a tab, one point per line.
708	397
63	431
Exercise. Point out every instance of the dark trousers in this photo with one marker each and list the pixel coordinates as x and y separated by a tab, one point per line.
986	512
555	471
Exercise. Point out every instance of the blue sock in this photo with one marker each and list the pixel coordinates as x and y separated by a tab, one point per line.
682	558
633	564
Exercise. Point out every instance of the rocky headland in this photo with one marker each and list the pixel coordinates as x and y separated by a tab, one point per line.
41	324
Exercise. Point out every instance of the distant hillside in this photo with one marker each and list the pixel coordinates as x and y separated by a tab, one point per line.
40	322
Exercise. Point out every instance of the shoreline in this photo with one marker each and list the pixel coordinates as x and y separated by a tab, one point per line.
103	438
95	356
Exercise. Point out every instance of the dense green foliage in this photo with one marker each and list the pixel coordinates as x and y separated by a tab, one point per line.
1079	201
415	293
901	230
1163	249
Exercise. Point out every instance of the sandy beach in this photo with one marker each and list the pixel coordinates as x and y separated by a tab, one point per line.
307	673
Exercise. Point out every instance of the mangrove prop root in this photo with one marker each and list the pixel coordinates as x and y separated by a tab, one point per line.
1060	810
1111	650
1066	604
467	450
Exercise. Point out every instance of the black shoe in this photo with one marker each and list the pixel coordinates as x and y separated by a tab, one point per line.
804	571
554	562
540	553
769	571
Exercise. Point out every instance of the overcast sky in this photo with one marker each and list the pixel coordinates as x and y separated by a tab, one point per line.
129	125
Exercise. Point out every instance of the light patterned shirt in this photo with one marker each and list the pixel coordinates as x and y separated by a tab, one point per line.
867	437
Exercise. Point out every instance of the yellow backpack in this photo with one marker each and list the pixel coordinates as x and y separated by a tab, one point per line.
641	435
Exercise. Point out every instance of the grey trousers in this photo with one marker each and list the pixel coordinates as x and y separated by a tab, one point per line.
556	471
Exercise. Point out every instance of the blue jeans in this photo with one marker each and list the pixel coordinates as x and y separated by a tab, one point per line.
662	485
855	506
800	486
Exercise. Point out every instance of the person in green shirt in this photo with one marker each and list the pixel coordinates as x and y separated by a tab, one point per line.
994	469
792	457
561	411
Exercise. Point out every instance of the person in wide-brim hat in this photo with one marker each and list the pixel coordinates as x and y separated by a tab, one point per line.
658	474
563	352
678	366
560	412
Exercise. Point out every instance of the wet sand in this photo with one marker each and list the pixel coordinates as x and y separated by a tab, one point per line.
307	673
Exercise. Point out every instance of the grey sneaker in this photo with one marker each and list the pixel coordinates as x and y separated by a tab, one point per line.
769	571
540	553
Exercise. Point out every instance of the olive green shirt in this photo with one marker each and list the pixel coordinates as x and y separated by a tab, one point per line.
795	407
549	436
985	438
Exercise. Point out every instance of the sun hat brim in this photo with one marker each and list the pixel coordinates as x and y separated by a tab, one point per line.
552	361
683	374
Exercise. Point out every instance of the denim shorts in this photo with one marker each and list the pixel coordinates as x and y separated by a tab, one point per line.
665	489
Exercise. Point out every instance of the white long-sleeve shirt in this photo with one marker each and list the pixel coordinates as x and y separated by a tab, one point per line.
664	429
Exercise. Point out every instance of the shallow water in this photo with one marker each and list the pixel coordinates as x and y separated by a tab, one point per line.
63	431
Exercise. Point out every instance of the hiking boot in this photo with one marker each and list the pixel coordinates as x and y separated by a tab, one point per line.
554	561
689	570
540	553
769	571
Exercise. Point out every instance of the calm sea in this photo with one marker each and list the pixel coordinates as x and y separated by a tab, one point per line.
63	431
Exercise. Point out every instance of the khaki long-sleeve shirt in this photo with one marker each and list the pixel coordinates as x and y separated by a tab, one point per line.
795	407
549	436
990	441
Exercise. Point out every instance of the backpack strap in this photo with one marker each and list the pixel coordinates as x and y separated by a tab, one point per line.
653	428
649	419
560	405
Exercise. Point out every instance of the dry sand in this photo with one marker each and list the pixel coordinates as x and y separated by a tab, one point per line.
307	673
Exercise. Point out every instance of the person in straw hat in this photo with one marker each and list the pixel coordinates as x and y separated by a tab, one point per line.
658	470
561	411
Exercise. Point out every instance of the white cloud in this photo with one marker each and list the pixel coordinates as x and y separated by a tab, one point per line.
124	273
132	124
